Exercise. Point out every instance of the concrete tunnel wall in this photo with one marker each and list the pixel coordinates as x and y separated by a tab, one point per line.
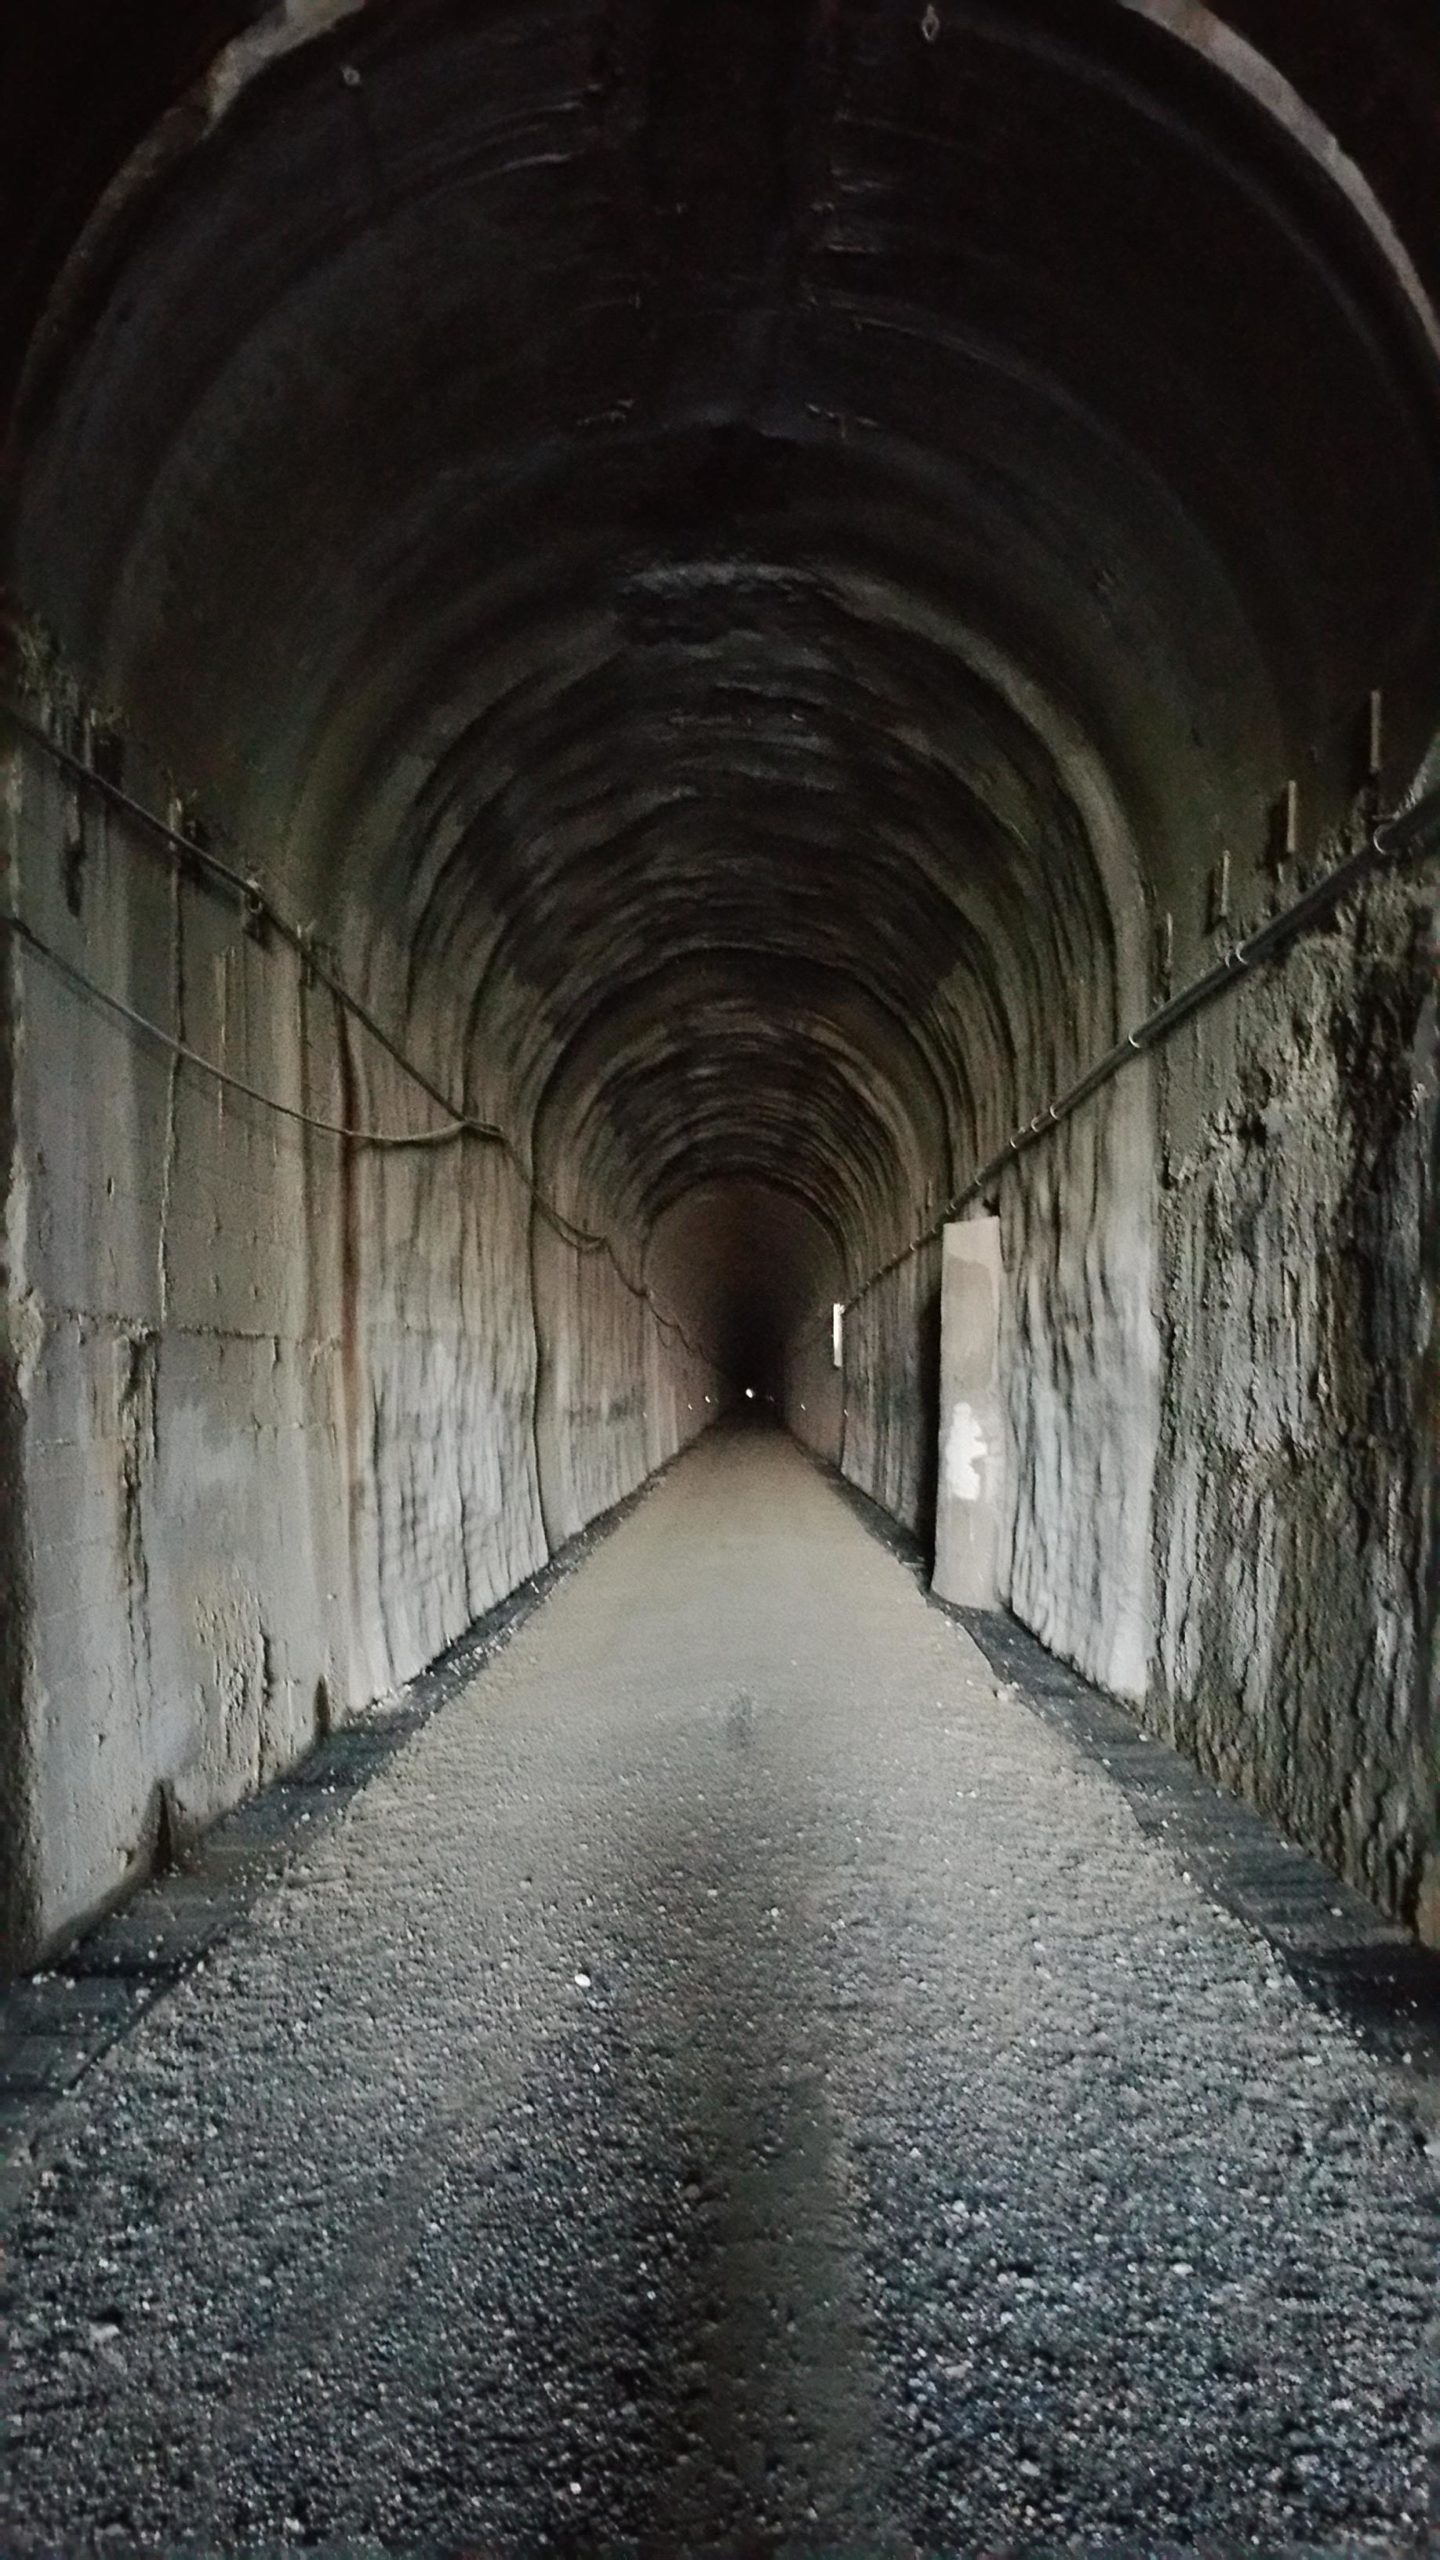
760	643
289	1413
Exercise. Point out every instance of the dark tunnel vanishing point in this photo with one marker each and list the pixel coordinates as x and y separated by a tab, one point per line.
757	582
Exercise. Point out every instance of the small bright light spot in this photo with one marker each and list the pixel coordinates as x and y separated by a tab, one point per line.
750	1394
837	1332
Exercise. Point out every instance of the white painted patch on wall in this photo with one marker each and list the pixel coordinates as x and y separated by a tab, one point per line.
965	1447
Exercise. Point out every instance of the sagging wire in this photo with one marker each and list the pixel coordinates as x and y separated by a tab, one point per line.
259	908
97	994
1408	836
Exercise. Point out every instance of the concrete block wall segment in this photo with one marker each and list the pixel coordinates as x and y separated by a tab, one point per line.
892	1391
815	1385
969	1494
1082	1367
274	1415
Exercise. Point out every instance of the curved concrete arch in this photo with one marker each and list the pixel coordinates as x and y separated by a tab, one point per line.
756	664
1206	32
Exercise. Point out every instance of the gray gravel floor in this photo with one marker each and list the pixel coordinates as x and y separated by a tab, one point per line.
737	2081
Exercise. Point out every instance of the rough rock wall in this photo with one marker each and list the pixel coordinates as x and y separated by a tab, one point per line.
1294	1586
1218	1352
270	1396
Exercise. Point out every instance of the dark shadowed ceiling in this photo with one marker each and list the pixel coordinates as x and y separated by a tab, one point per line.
758	545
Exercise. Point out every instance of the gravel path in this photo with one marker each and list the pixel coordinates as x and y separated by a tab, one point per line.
737	2081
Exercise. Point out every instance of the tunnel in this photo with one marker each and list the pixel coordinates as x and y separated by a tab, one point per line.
728	598
660	663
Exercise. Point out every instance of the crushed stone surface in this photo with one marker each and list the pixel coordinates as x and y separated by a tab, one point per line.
736	2082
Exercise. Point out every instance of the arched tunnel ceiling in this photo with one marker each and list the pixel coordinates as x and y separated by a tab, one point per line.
749	540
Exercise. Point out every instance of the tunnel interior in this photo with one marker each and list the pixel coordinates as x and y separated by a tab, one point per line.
742	589
756	1271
